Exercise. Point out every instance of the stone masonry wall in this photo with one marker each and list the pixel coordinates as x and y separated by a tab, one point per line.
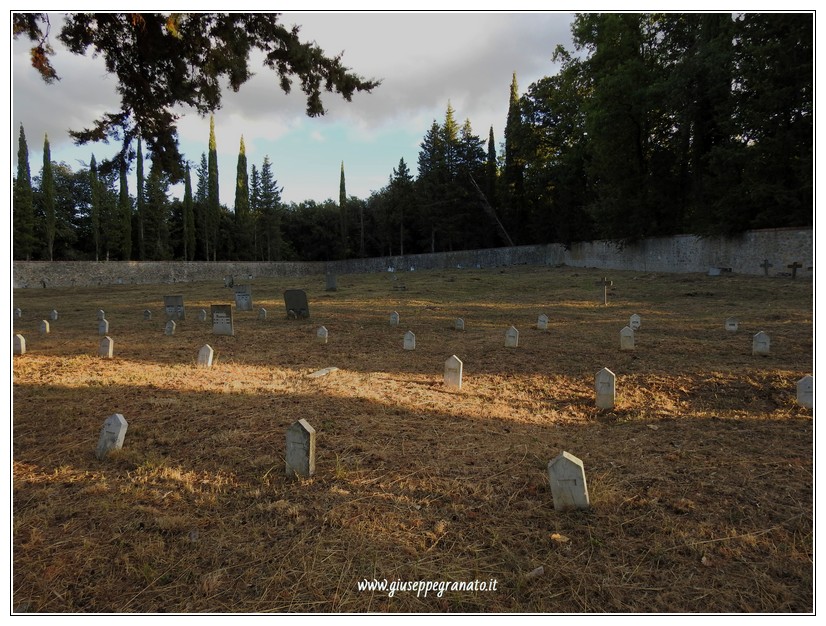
679	254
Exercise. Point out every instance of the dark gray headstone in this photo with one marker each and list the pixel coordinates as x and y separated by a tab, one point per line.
222	319
243	297
174	307
147	314
300	456
331	282
295	300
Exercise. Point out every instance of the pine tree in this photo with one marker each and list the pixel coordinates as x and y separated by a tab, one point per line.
95	206
270	213
243	224
141	205
213	212
255	209
125	211
23	210
188	219
157	214
48	191
491	171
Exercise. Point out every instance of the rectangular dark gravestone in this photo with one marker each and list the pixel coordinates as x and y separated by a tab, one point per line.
295	300
174	307
243	297
222	319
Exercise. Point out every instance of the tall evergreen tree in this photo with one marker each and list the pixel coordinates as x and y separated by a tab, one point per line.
48	192
213	212
23	208
140	204
125	212
201	214
401	201
188	218
342	209
255	210
95	206
243	222
270	213
157	214
491	171
514	170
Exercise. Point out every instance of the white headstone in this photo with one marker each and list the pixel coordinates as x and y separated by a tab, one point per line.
394	319
459	324
761	344
453	372
18	313
731	324
53	315
626	339
321	335
147	314
605	388
331	282
511	338
409	340
205	355
262	313
101	314
19	344
106	348
542	322
635	322
111	435
568	487
169	329
806	392
300	456
103	327
44	327
202	315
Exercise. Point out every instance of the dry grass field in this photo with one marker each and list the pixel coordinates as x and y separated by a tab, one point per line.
700	479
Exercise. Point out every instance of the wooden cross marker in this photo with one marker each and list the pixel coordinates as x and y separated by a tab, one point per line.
605	283
766	265
794	267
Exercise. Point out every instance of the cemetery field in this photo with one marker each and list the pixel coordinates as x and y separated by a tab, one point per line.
700	477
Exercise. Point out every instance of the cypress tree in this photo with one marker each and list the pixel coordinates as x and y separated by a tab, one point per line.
490	171
189	219
23	208
213	211
242	207
48	191
201	220
141	205
342	207
125	211
94	185
514	195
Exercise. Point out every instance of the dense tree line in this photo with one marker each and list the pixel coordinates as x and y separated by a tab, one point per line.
655	124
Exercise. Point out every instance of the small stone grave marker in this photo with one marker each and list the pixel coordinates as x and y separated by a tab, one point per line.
806	392
322	372
106	348
409	340
202	315
732	324
459	324
453	372
103	327
205	355
53	315
222	319
147	314
794	267
229	281
511	337
331	282
44	327
169	329
761	344
605	388
568	486
766	265
605	283
295	301
111	435
394	319
262	313
542	322
321	335
18	313
300	455
635	322
243	297
101	314
19	344
174	307
626	339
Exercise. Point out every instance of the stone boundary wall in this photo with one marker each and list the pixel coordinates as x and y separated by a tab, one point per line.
678	254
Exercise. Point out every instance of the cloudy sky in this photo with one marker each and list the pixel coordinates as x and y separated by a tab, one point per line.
424	60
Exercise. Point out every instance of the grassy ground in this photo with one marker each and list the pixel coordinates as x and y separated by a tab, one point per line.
700	479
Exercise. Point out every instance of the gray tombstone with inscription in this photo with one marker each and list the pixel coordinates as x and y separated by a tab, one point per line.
331	282
111	435
243	297
300	456
806	392
103	327
295	301
19	344
568	487
605	383
106	348
453	372
761	344
174	307
222	319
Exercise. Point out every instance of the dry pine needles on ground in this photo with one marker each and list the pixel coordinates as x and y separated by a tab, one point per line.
700	477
